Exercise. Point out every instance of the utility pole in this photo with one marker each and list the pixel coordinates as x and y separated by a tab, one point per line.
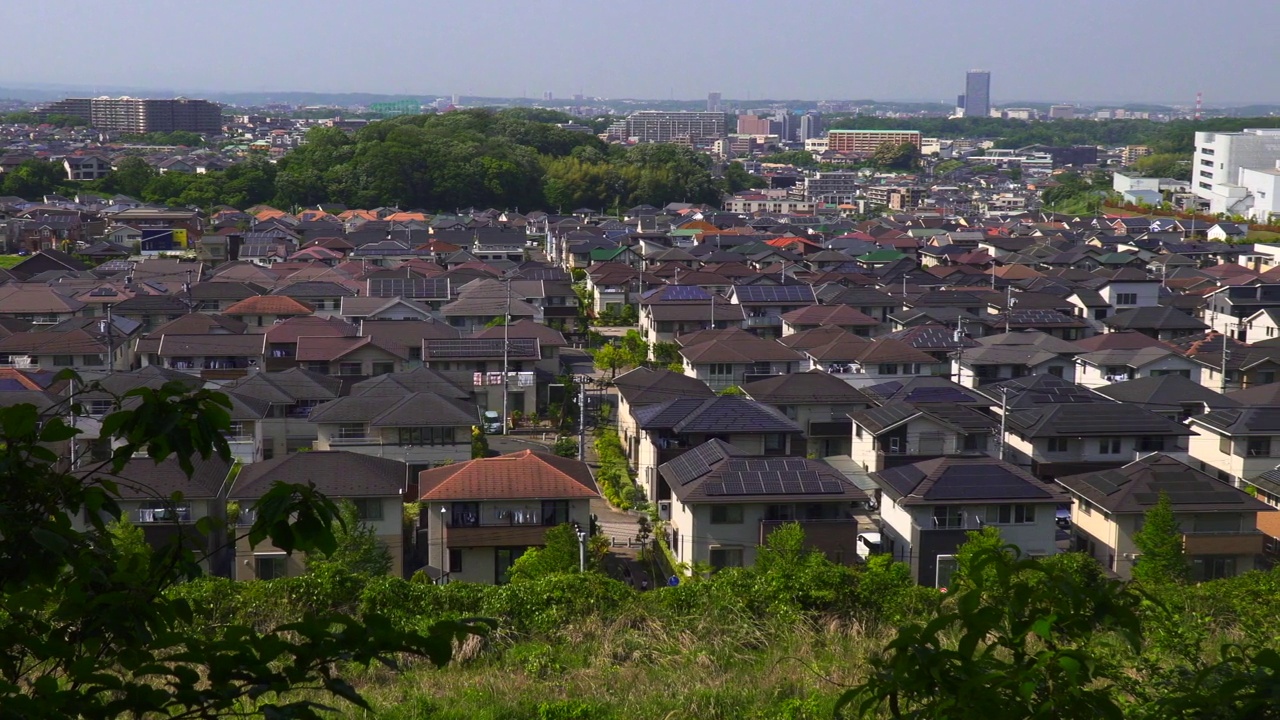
111	351
1225	354
582	550
1004	414
582	419
506	344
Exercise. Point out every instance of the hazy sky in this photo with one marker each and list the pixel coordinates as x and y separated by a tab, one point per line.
1050	50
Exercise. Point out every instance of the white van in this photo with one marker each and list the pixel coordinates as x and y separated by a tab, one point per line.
492	422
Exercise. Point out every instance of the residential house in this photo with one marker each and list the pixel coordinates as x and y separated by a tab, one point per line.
671	428
644	386
290	396
1014	355
1241	442
478	517
673	310
928	508
1103	367
266	310
1162	323
38	304
764	305
725	503
1219	523
170	506
212	357
902	433
375	485
513	387
842	316
729	358
421	428
1176	397
486	301
818	402
1055	427
349	356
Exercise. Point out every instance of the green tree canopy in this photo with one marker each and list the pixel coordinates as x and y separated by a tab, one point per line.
560	554
1161	556
358	550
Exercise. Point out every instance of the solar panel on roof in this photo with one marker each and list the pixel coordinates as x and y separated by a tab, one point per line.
685	292
775	293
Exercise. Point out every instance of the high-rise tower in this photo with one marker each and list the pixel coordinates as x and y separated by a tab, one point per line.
977	93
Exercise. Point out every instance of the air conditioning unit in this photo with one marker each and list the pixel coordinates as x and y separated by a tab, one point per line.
664	509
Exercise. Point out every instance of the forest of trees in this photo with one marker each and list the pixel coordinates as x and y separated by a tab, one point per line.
441	162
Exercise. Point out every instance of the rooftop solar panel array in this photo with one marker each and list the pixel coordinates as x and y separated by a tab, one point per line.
481	347
689	293
775	293
409	287
983	482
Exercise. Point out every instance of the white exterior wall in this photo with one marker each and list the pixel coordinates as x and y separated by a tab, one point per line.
1206	452
384	443
1215	167
1148	294
1263	188
1095	376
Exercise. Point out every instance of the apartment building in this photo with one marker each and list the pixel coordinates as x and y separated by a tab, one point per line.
658	126
866	142
141	115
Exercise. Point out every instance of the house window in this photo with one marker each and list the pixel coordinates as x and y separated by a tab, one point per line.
270	567
465	514
555	512
1213	567
949	517
349	368
100	407
722	557
316	366
1011	514
92	361
975	443
1224	445
368	509
775	442
889	369
236	429
1126	298
64	360
1056	370
1151	444
1108	446
426	436
455	560
383	368
726	514
946	567
721	370
351	431
1259	447
1264	378
780	513
159	511
1056	445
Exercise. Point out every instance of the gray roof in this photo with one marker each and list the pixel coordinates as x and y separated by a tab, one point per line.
646	386
1243	421
1136	487
718	415
421	409
1107	419
813	388
334	473
1154	318
719	472
1165	393
957	480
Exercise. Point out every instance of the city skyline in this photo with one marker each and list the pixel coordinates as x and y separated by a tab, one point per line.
577	47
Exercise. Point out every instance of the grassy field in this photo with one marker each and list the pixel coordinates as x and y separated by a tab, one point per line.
8	261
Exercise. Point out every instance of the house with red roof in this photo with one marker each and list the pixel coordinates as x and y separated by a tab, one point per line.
479	517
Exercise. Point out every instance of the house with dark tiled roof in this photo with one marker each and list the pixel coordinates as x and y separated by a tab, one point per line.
842	316
818	401
671	428
725	503
167	505
927	509
348	355
482	359
1055	427
1162	323
423	429
1176	397
290	397
728	358
1219	523
478	517
899	432
1015	355
375	485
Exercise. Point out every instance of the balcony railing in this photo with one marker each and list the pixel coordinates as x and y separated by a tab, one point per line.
764	321
1229	542
495	535
355	440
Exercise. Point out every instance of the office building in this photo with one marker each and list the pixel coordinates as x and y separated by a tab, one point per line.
713	102
141	115
810	126
1217	165
977	93
832	187
1062	112
783	124
658	126
866	142
754	125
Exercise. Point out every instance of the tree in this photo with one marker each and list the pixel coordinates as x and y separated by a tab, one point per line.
566	447
612	358
130	177
559	555
1162	559
1170	165
737	178
635	347
91	631
666	353
1020	639
901	157
479	442
358	549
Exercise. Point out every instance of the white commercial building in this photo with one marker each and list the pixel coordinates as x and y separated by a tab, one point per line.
1219	160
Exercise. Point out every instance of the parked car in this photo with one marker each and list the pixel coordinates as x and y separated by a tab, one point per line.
492	422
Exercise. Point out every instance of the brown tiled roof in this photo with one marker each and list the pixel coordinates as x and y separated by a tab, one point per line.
523	475
736	346
308	325
829	315
526	328
331	348
269	305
